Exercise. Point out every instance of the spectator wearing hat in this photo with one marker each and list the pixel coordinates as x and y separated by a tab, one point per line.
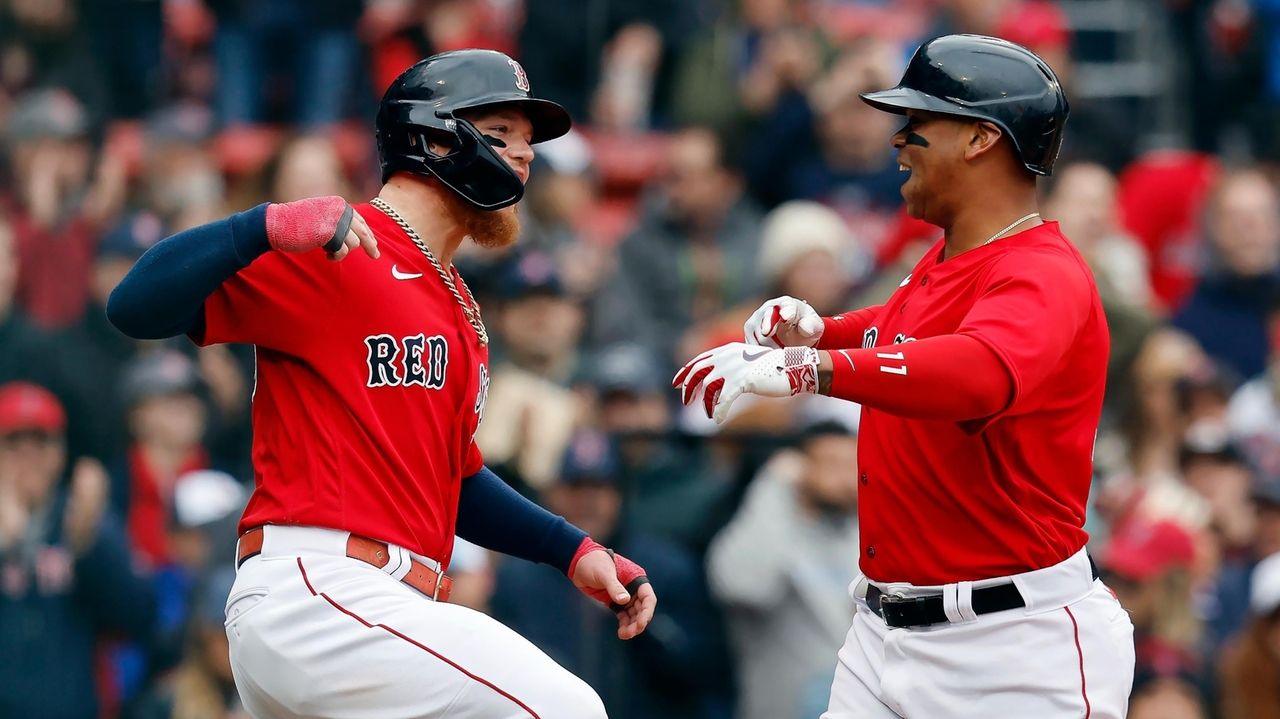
677	672
530	413
1249	672
673	490
1148	564
65	197
201	687
66	575
781	568
167	420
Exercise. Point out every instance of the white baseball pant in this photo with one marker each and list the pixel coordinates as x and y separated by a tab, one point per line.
316	634
1067	655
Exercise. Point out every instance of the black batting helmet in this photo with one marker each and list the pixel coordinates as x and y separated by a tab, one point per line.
986	78
425	101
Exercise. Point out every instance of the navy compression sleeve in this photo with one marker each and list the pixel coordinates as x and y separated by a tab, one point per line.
163	295
495	516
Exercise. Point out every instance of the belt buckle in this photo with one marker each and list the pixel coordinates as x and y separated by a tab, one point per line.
435	593
899	605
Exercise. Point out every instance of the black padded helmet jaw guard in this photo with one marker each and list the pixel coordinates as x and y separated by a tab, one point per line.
423	104
986	78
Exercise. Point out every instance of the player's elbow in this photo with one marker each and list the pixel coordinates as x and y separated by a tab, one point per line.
136	316
979	400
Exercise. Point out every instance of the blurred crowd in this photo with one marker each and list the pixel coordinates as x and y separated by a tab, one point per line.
721	157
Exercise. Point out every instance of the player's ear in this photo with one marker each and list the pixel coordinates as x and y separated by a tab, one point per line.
982	137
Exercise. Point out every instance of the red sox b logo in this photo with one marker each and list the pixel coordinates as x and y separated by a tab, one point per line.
522	80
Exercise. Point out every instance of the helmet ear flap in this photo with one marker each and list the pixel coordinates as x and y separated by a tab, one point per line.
474	169
470	167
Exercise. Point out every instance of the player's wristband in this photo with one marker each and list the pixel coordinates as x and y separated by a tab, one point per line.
630	575
587	546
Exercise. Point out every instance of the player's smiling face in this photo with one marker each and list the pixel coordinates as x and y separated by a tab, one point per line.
933	148
922	149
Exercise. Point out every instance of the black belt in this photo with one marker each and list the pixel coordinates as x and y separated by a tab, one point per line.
901	612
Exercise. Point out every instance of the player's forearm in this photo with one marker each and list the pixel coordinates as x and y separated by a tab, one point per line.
846	329
949	378
495	516
163	295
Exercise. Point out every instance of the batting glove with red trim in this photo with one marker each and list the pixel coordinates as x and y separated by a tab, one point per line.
724	373
784	322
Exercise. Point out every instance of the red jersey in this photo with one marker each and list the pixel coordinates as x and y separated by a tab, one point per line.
370	386
942	502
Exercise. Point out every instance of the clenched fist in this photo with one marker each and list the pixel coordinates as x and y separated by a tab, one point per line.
327	222
783	322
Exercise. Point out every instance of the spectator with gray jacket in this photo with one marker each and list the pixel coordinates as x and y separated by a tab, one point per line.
781	568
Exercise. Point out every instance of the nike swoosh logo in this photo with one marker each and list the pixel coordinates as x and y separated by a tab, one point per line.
404	275
756	356
905	282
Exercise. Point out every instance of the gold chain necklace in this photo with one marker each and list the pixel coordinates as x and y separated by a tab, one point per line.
470	309
1016	222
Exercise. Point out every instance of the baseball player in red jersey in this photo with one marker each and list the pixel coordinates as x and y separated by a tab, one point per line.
981	384
372	373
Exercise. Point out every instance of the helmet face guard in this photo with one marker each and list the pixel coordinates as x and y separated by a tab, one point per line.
423	106
470	167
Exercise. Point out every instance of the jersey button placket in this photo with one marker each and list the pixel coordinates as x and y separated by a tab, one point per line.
862	478
871	552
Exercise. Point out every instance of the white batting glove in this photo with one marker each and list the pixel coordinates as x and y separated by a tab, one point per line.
783	322
724	373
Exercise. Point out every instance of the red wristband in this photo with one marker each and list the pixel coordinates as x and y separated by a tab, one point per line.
587	546
307	224
630	575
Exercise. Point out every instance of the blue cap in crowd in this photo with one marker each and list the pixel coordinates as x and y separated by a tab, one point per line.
159	373
589	459
528	273
626	368
134	235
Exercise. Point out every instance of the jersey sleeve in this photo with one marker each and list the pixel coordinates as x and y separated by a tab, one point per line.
1031	309
282	301
845	330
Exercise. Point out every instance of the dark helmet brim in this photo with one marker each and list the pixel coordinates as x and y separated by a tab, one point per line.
900	99
548	118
